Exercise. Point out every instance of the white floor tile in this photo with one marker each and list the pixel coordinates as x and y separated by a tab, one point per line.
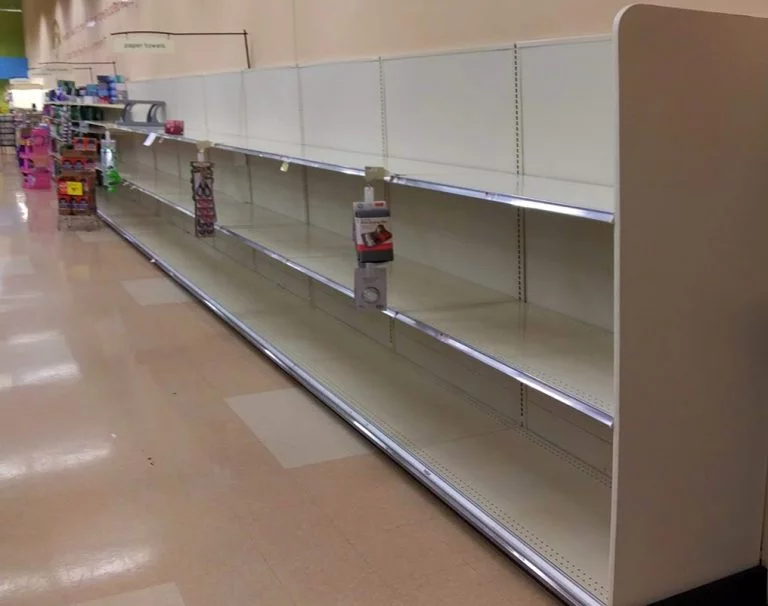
155	291
296	428
33	358
16	266
160	595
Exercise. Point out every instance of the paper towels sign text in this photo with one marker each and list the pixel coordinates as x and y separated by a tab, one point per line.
144	44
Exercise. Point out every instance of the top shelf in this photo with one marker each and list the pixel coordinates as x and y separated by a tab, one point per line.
583	200
75	104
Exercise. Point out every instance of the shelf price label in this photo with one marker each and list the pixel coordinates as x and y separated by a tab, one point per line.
74	188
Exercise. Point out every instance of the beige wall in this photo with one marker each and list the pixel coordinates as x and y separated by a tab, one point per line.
308	31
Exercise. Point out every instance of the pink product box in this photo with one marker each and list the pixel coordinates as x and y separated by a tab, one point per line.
35	142
37	180
35	150
35	163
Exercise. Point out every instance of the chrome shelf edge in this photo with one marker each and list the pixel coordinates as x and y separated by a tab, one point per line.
585	408
131	185
520	202
337	168
286	261
498	197
523	377
517	549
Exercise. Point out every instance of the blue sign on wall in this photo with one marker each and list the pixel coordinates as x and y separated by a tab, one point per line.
13	67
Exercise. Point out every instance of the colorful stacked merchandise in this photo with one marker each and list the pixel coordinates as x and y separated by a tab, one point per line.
34	145
64	125
76	185
76	193
112	89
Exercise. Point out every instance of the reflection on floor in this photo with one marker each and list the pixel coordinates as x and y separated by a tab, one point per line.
145	457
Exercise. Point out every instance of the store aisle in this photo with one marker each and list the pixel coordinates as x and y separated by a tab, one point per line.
149	457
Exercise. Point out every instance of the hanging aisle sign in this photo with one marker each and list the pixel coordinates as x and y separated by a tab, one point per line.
144	43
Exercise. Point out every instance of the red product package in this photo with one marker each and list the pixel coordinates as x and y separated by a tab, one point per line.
174	127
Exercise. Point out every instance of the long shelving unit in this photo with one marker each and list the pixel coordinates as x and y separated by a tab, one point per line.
427	424
568	360
567	355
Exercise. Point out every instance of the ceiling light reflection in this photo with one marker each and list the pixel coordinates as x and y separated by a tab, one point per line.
23	210
98	567
109	564
59	459
23	583
49	374
33	337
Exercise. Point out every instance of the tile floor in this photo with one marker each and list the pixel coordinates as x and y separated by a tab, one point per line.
149	457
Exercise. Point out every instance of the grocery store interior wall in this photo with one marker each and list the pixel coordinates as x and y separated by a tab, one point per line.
11	40
11	29
284	32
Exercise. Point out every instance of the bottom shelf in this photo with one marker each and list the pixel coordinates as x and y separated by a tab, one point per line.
547	510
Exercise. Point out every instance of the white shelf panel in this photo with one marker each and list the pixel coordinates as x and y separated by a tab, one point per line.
556	505
573	357
455	108
564	358
594	202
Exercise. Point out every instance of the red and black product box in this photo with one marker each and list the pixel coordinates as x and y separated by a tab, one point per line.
373	233
202	194
85	144
76	193
74	160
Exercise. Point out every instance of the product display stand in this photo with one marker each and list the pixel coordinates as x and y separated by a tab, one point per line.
8	131
76	184
34	143
577	375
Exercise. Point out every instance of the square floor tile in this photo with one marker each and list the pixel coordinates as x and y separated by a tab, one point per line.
100	235
16	266
155	291
159	595
296	428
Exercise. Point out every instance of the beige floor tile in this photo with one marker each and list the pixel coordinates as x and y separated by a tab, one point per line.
102	235
490	563
407	552
155	291
298	429
298	535
458	586
339	583
160	595
388	496
231	368
158	326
